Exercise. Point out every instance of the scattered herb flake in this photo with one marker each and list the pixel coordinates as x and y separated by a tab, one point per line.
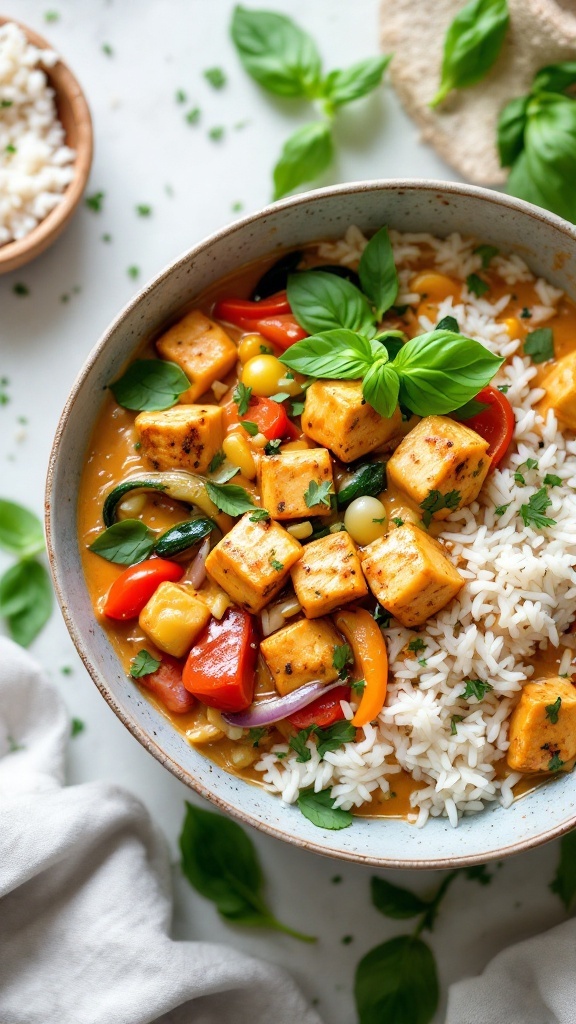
486	254
241	396
358	685
299	743
276	565
318	494
106	237
272	447
77	726
259	515
216	133
341	657
417	645
397	521
551	480
95	202
250	427
477	688
107	49
454	722
21	289
143	210
501	509
10	148
553	710
298	408
518	477
216	77
237	206
504	388
525	314
180	96
133	272
476	285
532	463
555	763
216	461
436	501
143	664
256	734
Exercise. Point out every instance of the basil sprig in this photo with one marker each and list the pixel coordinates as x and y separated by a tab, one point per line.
284	59
472	44
25	589
537	140
150	385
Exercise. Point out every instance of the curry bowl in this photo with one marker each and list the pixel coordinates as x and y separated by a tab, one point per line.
548	246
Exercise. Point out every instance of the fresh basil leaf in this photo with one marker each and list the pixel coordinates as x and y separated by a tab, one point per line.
323	302
477	285
448	323
564	881
471	408
230	498
278	54
304	157
25	600
394	901
143	665
378	274
380	387
555	77
220	862
539	345
392	342
319	809
511	127
486	254
125	543
472	44
397	982
336	355
334	736
21	531
546	170
150	385
344	86
441	371
369	479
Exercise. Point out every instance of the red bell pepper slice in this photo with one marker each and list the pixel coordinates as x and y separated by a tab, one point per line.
220	669
495	423
270	418
166	684
323	711
236	311
135	586
282	330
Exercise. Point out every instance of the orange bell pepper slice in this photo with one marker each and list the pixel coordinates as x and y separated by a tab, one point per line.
371	657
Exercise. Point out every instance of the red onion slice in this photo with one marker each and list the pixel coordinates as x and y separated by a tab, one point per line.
196	571
267	712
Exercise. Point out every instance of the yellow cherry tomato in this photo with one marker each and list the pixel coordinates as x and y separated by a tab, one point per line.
252	345
263	374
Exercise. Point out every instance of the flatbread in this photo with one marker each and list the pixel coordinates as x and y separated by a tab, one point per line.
463	128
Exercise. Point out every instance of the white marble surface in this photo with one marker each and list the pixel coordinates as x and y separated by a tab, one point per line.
143	144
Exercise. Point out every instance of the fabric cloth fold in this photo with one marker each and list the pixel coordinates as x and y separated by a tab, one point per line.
85	895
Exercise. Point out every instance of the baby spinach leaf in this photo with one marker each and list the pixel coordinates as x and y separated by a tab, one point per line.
369	479
125	543
143	665
220	862
564	881
25	600
278	54
472	44
440	371
323	302
378	274
305	156
319	809
539	345
342	87
150	385
337	355
21	531
230	498
397	982
394	901
511	126
555	77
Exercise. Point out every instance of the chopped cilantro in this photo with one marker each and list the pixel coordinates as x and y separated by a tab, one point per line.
237	206
250	427
6	103
358	685
417	645
398	522
334	736
437	501
486	254
476	285
299	743
477	688
10	148
216	461
276	565
555	763
298	408
180	96
259	515
95	202
216	77
106	237
241	396
551	480
518	477
422	662
501	509
143	210
533	512
525	314
382	617
193	116
318	494
281	396
272	447
539	345
454	722
532	463
216	133
347	939
341	657
256	734
553	710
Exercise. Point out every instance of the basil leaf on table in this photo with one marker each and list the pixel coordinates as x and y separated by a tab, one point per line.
564	881
319	809
545	171
441	371
277	54
150	385
394	901
378	274
220	862
143	664
125	543
397	982
21	531
230	498
342	87
338	355
25	600
555	77
305	156
323	302
511	127
369	479
472	44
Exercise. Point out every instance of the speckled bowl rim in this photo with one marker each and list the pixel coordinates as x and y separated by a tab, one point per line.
392	184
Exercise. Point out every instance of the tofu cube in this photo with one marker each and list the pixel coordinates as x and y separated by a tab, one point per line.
560	395
183	437
301	652
253	561
440	455
337	416
174	617
201	349
328	574
543	726
409	574
285	481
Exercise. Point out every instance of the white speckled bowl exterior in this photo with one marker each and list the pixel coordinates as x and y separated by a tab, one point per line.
548	244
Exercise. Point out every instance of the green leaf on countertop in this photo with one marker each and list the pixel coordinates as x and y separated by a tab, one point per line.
564	881
544	170
143	664
511	128
397	982
26	600
555	77
125	543
320	810
21	532
276	52
342	87
306	154
395	901
150	385
378	274
539	345
220	862
76	727
472	44
230	498
324	302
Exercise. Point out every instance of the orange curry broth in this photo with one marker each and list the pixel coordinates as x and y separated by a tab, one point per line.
112	457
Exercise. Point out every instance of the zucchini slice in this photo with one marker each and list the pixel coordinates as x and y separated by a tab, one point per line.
177	484
183	536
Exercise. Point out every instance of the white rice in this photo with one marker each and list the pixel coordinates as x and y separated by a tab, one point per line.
35	164
520	592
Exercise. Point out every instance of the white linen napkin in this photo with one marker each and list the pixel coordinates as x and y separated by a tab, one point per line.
85	896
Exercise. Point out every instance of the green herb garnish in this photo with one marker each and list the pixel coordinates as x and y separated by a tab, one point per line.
241	396
553	710
143	665
341	657
318	494
216	77
95	202
150	384
533	512
477	688
320	810
539	345
259	515
230	498
125	543
472	44
436	501
476	285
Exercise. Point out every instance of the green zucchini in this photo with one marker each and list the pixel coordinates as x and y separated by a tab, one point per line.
177	484
183	536
367	479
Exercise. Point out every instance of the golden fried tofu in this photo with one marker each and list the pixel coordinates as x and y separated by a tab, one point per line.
252	562
201	348
543	726
440	455
301	652
174	617
409	573
337	415
289	483
183	437
328	574
560	395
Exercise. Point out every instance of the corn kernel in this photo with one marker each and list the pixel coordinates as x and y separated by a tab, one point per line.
237	450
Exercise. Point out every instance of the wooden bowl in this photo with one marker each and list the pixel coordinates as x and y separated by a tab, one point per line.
74	115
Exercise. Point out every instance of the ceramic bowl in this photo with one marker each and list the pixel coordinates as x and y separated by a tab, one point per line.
74	115
548	244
